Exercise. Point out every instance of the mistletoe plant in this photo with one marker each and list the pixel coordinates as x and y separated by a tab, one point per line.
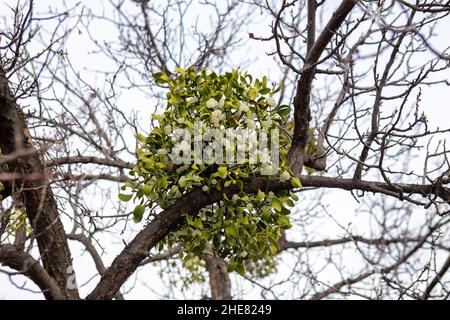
240	229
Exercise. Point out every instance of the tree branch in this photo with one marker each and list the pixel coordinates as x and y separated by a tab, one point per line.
219	280
16	259
284	245
90	248
349	281
89	160
436	279
302	110
171	218
167	221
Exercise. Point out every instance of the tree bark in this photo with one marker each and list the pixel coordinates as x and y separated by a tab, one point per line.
13	257
219	280
38	199
169	220
302	110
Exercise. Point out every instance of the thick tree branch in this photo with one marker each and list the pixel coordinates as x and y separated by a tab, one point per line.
284	244
170	219
219	279
14	258
162	256
90	248
390	189
89	160
436	279
302	110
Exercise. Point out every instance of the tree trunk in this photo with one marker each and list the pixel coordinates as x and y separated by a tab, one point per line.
219	279
38	199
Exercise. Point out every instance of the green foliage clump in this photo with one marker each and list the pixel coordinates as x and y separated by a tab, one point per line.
17	219
239	229
183	276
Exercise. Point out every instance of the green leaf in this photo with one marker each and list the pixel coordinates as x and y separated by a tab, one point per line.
125	197
189	124
252	93
222	172
163	183
174	99
264	81
198	224
244	221
284	110
141	138
289	203
265	214
138	213
147	189
160	77
293	196
284	222
273	246
243	175
296	182
160	165
232	231
181	71
240	269
232	266
260	196
277	204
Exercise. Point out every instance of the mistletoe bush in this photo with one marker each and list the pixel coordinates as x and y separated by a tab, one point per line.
240	229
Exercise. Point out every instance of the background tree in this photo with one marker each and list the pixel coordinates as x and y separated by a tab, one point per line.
355	74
